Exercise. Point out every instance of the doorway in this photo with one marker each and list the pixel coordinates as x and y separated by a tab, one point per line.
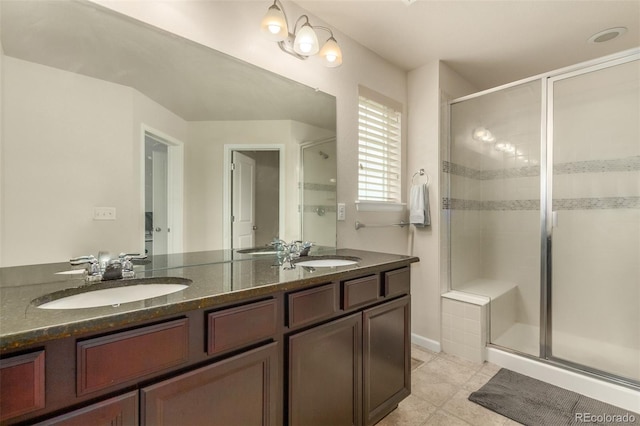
254	211
162	194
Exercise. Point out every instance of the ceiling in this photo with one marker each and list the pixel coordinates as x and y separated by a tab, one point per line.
487	42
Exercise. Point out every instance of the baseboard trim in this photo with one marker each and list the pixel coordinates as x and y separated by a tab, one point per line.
432	345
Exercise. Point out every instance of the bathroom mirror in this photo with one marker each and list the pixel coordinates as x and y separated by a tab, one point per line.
83	88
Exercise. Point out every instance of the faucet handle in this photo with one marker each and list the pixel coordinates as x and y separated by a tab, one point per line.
132	256
81	260
127	267
306	246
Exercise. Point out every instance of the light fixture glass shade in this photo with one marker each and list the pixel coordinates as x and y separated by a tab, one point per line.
306	42
274	24
331	54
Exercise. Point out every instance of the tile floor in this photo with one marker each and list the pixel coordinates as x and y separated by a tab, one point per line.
440	386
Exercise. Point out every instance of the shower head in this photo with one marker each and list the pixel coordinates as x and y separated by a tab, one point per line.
323	155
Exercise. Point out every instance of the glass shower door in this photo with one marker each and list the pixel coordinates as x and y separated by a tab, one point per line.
595	199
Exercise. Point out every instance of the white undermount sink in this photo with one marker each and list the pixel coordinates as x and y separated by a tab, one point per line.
110	293
327	261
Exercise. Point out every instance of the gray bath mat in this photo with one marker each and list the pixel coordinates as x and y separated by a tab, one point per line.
536	403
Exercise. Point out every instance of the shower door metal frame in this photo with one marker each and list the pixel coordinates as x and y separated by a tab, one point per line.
546	213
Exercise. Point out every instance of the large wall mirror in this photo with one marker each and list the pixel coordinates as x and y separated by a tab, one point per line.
119	136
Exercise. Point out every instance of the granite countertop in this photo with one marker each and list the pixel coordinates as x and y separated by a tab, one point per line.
218	277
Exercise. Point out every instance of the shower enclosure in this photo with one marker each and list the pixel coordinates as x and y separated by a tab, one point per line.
542	205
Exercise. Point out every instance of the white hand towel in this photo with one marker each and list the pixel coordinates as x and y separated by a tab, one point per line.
419	214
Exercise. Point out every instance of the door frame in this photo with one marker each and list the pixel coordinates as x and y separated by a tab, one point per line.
227	182
175	187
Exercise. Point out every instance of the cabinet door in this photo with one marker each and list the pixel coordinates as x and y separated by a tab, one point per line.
241	390
118	411
387	368
325	374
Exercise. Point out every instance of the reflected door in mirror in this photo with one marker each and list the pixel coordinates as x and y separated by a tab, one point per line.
243	200
156	196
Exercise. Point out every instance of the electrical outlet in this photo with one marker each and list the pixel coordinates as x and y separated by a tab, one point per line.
104	213
342	211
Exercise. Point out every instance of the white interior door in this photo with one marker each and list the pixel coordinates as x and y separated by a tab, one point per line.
243	200
160	201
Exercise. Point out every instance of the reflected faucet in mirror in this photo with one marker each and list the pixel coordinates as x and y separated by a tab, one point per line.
287	253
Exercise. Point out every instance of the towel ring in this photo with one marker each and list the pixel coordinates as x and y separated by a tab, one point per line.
421	172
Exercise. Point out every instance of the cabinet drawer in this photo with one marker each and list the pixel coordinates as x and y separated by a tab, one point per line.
241	326
360	291
110	360
397	282
121	410
241	390
22	389
312	305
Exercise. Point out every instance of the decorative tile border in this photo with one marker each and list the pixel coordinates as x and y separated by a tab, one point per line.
460	204
597	203
603	203
629	164
318	187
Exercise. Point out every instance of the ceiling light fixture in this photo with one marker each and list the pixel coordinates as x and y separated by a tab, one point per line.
607	35
303	42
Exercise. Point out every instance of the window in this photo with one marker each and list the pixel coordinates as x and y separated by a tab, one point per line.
379	149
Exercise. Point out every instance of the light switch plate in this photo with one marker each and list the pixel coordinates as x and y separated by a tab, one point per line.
342	211
104	213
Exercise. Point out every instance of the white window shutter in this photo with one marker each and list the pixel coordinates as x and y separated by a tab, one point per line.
379	152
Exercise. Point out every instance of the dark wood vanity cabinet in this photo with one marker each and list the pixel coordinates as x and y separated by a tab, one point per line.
386	358
241	390
325	374
121	410
353	370
336	353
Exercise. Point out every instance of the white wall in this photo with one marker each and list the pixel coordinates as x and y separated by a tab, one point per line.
72	143
426	85
204	176
234	28
46	124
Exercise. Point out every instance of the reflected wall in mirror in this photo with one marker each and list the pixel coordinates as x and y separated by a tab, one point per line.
81	88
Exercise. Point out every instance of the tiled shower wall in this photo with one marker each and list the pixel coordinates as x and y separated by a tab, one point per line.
494	196
494	204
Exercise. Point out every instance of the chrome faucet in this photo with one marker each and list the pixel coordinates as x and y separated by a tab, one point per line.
287	253
104	268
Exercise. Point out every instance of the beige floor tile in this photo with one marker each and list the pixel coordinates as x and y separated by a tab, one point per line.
442	418
431	389
476	382
422	354
489	369
444	370
440	388
460	361
413	411
471	412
